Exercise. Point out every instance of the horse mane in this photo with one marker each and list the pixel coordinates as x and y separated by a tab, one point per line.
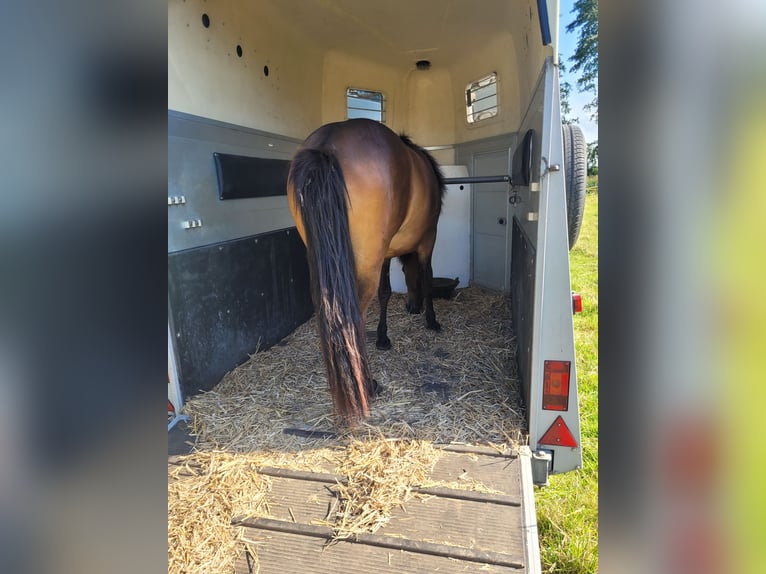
434	164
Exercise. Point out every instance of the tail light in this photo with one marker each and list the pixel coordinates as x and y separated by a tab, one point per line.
576	303
556	385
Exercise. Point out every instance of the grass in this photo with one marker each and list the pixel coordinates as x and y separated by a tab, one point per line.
567	509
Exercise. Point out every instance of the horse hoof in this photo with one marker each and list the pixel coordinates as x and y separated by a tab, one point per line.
433	325
413	309
383	344
377	388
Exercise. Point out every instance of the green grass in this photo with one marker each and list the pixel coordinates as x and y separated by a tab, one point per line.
567	509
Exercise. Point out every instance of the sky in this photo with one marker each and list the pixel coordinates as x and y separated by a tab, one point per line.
567	44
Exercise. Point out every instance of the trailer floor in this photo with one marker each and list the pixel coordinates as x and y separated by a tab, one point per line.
443	530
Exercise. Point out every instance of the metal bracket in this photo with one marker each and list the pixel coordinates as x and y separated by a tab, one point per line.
176	199
192	223
541	466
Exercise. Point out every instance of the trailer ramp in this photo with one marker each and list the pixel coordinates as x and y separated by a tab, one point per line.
443	530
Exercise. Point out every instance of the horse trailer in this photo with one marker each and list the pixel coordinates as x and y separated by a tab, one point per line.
476	85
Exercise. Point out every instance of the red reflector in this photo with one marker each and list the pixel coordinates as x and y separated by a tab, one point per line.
576	303
556	385
171	408
558	434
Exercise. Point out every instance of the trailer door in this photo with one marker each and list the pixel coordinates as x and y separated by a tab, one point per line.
541	295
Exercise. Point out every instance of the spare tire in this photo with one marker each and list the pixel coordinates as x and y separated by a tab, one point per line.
575	175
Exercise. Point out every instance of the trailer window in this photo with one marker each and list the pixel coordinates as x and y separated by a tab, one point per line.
365	104
481	99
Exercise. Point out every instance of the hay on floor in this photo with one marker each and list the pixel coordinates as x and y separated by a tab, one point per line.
203	494
456	385
379	476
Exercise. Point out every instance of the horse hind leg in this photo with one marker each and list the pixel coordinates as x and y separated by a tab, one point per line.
428	278
384	294
367	282
413	276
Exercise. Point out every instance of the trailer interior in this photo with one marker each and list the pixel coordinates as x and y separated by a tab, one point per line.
474	82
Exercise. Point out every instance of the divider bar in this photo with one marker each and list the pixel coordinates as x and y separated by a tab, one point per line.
478	179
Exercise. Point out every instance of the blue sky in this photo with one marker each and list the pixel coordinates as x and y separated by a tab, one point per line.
567	44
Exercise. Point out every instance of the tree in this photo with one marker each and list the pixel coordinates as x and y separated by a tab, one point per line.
565	88
593	158
585	58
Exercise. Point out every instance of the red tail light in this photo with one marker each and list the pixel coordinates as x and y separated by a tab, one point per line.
556	385
576	303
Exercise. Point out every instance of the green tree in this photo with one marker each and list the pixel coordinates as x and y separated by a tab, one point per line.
565	89
585	58
592	160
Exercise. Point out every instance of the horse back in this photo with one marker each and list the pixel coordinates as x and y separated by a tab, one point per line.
393	197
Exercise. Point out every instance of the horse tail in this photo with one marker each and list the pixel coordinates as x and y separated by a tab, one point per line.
320	192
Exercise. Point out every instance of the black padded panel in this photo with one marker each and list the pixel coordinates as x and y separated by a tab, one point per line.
241	176
522	164
522	301
228	299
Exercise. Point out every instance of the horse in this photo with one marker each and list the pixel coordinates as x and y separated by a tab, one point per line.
360	195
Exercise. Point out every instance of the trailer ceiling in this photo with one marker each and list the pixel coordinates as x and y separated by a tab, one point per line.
400	32
283	66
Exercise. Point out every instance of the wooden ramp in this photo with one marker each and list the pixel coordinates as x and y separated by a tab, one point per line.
446	530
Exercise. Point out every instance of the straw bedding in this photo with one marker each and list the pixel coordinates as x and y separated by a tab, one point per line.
456	385
203	494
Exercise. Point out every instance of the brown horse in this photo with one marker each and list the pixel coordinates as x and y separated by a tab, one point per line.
360	195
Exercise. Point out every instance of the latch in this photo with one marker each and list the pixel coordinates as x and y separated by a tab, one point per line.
176	200
192	223
551	167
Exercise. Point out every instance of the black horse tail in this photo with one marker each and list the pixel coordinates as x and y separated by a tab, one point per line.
320	194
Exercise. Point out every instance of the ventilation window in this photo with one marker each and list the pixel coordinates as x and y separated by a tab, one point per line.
481	99
365	104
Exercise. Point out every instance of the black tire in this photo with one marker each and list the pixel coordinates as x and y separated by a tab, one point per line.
575	174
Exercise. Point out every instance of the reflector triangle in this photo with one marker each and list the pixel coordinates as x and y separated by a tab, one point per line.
558	434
